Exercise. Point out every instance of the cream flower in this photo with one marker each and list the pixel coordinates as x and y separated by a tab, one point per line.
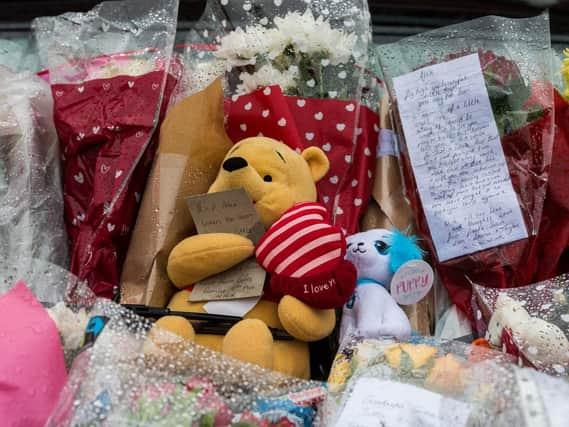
267	76
301	31
309	35
240	46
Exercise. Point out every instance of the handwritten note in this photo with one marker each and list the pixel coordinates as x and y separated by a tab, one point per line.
229	212
226	212
457	158
245	280
376	402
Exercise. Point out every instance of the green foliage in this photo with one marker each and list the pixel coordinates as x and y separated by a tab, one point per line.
508	99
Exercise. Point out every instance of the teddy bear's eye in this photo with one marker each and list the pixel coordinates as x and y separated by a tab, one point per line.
268	178
381	247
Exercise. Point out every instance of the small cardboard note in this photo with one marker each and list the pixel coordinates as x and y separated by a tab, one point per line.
374	402
457	158
245	280
228	212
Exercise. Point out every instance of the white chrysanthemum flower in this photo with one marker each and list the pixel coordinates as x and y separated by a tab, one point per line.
241	46
267	76
309	35
301	31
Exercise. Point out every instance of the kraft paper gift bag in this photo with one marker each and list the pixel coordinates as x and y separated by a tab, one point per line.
192	145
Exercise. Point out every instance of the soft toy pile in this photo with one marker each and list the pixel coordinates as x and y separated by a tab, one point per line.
301	250
255	230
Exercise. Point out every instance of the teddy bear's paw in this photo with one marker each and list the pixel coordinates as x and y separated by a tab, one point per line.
203	255
304	322
177	325
250	341
169	337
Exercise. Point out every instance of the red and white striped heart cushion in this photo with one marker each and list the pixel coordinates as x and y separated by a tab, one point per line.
302	243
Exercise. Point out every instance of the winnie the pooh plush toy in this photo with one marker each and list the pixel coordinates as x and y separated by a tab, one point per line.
303	253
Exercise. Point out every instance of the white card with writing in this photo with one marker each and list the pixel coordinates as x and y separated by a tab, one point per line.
457	158
376	402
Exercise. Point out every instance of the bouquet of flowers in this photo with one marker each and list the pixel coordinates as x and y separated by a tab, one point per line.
514	70
302	54
43	307
302	76
112	72
432	382
30	176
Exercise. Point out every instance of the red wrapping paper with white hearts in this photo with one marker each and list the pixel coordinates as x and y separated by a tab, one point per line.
329	124
106	128
112	73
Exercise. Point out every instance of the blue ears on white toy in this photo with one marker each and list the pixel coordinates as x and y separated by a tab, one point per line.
402	248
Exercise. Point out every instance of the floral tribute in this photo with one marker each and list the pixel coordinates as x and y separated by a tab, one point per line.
302	81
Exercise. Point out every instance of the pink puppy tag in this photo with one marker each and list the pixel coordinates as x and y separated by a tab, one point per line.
32	365
412	282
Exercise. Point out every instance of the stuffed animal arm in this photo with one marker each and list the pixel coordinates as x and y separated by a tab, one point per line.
371	311
204	255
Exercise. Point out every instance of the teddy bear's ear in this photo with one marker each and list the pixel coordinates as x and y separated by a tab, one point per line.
317	162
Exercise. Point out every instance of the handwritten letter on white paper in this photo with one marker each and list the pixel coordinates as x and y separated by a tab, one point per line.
457	158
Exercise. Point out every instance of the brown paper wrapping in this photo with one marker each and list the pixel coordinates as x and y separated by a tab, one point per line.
388	207
192	146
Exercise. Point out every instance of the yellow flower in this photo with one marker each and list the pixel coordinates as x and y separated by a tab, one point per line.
419	354
446	375
339	375
565	72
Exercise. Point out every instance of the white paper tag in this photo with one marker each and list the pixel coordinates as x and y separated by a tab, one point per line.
457	158
387	145
236	307
376	402
412	282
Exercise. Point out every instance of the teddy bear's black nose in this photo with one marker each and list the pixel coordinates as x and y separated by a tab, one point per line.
234	163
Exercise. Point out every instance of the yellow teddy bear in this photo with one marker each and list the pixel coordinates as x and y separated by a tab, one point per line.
276	178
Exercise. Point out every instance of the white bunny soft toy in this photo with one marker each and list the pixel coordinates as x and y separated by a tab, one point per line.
372	312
